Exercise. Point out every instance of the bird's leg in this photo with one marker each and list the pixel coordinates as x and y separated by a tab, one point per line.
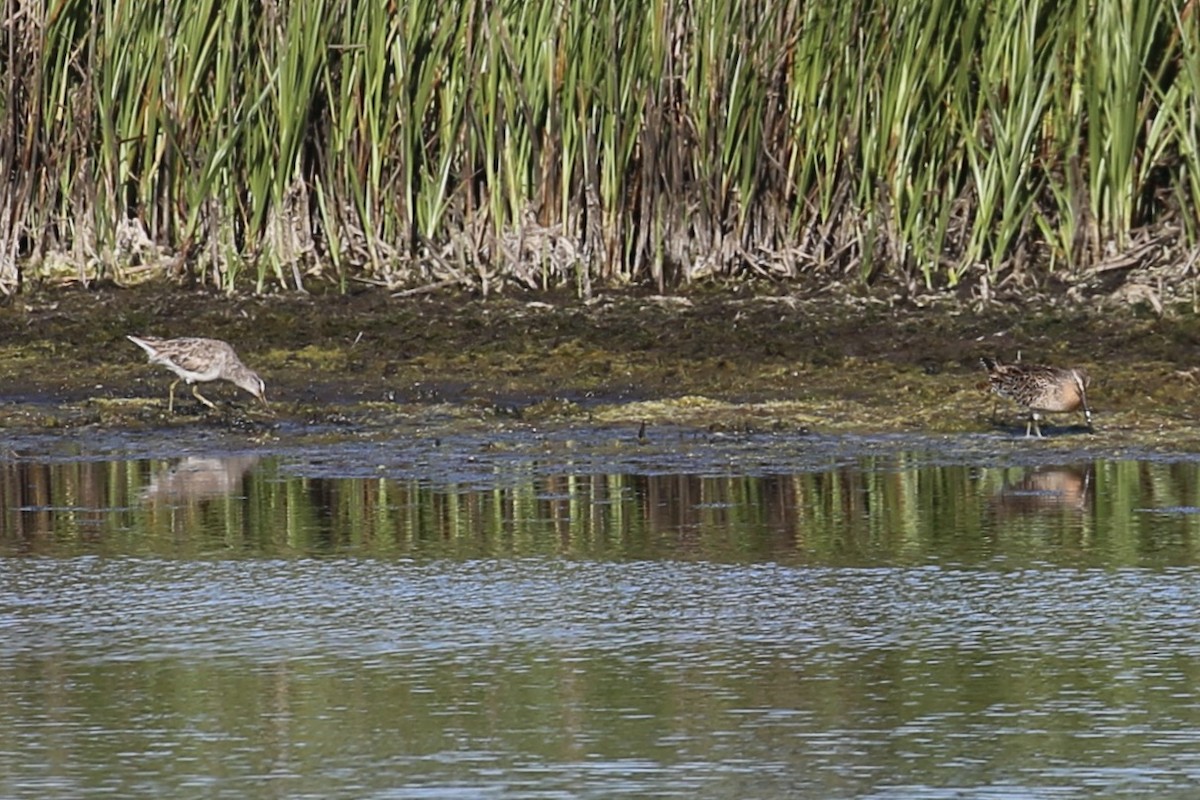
171	398
1033	424
202	398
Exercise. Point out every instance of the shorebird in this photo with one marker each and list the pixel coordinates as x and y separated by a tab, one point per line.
1040	388
196	361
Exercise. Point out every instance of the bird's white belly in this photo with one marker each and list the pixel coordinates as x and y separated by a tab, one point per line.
210	374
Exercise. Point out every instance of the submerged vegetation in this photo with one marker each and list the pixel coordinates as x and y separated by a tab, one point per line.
578	143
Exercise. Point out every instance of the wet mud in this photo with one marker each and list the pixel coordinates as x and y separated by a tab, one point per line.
366	367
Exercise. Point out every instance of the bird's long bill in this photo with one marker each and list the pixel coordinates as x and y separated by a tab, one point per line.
263	399
1081	383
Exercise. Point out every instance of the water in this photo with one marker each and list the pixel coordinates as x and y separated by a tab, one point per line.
582	618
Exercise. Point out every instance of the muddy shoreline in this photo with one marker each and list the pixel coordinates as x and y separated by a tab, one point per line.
368	363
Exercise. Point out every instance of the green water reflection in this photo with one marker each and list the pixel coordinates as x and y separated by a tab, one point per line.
349	677
879	511
891	627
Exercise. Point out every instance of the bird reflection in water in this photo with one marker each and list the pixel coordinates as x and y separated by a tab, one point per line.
1046	489
199	478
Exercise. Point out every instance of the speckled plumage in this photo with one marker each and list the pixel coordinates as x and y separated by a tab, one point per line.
1040	388
196	360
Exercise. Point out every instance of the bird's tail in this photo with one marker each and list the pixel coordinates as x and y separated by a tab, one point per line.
142	343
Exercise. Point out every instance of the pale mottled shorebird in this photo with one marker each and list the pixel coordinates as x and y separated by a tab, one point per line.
1040	388
196	361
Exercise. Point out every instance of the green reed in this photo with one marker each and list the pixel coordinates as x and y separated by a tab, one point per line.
592	142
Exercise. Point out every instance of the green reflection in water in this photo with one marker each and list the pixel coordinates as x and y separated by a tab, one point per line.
893	510
352	677
706	635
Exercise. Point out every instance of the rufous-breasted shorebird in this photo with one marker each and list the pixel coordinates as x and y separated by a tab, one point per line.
1039	389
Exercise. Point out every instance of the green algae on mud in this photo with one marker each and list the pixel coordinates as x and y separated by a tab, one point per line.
768	363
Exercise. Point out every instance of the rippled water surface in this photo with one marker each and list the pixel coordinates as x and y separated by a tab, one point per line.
460	619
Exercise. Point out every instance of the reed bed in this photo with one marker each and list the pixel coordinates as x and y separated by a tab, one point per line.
585	143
